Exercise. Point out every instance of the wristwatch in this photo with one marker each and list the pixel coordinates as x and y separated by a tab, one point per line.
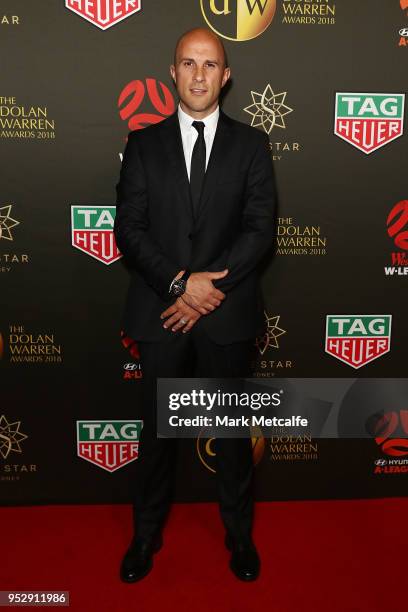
178	287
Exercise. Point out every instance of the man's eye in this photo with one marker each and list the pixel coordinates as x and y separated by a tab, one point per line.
210	65
187	63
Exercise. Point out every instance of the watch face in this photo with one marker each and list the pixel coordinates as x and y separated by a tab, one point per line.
179	287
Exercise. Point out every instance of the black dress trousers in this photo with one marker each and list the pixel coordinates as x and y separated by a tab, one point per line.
188	355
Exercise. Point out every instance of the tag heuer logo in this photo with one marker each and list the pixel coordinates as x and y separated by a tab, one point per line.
109	444
92	232
369	121
358	339
104	13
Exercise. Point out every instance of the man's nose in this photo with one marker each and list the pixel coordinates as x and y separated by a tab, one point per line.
199	74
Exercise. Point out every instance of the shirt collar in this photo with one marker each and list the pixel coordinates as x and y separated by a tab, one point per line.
210	121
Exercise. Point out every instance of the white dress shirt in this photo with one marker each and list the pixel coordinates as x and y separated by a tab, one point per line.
189	134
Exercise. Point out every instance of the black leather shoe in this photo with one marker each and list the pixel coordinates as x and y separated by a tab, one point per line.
245	562
138	560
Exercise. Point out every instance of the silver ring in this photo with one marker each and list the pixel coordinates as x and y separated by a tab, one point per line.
183	321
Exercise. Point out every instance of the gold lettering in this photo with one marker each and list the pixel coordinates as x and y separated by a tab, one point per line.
224	11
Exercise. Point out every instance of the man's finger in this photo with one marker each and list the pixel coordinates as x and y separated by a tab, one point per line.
189	325
171	310
218	274
172	320
188	302
216	293
184	320
192	303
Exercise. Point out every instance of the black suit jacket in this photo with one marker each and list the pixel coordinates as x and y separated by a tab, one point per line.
158	236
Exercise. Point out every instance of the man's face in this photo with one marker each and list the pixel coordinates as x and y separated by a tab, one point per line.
199	74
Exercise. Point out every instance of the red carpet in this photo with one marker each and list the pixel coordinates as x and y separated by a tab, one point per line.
328	556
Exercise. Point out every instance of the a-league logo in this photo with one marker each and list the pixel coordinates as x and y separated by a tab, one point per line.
135	93
358	339
397	224
369	121
92	232
104	13
386	426
108	444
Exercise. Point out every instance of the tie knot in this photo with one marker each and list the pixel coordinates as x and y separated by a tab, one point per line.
199	126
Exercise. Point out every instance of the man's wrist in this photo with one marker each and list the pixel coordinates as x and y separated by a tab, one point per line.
179	283
178	275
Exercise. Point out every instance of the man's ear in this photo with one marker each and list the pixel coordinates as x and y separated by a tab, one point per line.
173	72
226	76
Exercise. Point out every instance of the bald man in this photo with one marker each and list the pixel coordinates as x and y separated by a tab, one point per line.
195	216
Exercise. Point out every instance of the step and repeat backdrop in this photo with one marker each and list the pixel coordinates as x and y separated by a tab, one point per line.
326	80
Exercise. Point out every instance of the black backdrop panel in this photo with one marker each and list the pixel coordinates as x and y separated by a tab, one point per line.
70	92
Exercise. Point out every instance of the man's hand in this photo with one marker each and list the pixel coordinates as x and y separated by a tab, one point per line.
200	292
181	316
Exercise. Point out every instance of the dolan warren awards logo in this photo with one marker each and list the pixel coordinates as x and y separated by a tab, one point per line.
92	232
238	19
108	444
358	339
369	121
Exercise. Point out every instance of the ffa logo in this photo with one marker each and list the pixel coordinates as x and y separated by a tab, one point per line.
369	121
92	232
238	19
104	13
108	444
358	339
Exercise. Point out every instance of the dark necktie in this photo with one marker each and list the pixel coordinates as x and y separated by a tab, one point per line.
197	169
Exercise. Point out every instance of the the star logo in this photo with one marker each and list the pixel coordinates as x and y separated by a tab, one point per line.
10	437
271	335
268	109
6	222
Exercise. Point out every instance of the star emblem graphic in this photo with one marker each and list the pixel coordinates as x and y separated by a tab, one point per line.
10	437
268	109
270	337
6	222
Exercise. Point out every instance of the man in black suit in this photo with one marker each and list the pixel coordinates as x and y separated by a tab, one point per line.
195	215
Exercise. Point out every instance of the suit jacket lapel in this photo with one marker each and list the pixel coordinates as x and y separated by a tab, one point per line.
173	145
215	166
171	137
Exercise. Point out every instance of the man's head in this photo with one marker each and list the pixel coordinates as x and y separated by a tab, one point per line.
199	71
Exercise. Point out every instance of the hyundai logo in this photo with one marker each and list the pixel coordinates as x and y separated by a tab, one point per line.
131	366
380	462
